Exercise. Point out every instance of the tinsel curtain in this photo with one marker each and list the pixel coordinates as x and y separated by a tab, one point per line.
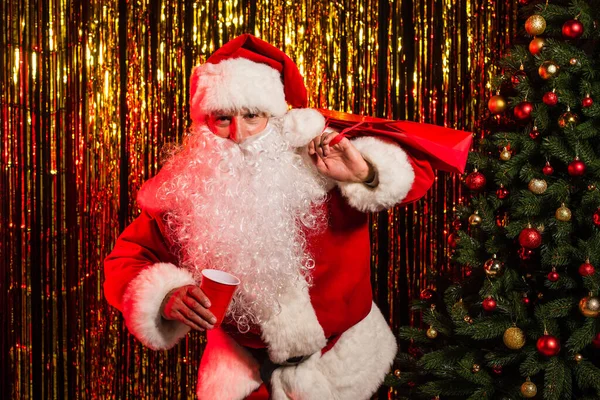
91	91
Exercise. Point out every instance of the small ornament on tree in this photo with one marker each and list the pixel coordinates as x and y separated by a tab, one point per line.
548	345
572	29
596	216
537	186
475	219
514	338
576	167
535	133
548	69
475	180
530	238
573	61
586	269
596	341
550	98
497	369
397	373
523	110
427	294
535	25
493	267
501	219
505	154
525	254
536	45
475	368
548	170
578	358
497	104
563	213
587	101
453	240
431	333
468	319
489	304
553	276
526	300
528	389
519	76
502	192
589	306
568	119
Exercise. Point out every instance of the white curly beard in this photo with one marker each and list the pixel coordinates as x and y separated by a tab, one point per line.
244	209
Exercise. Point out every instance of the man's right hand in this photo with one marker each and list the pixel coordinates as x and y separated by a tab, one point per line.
188	304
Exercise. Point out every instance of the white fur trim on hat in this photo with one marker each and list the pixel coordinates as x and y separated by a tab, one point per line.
236	84
394	172
295	330
143	299
353	369
301	125
227	370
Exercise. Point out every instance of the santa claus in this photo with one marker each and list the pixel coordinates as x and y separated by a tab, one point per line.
268	194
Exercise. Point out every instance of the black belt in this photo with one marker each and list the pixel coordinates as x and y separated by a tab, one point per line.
267	367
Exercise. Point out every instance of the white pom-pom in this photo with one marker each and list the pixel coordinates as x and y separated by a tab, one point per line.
301	125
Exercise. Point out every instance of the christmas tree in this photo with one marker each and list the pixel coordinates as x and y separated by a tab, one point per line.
522	319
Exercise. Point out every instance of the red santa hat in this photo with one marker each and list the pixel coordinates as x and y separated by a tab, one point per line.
249	73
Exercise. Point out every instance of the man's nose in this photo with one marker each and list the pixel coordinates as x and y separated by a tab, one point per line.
236	132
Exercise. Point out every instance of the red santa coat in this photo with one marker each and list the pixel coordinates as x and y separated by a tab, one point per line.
141	270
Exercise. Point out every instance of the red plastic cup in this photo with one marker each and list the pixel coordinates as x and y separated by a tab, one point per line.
219	287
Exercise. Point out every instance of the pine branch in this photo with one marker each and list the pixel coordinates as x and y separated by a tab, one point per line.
415	334
587	376
556	373
582	337
533	362
555	309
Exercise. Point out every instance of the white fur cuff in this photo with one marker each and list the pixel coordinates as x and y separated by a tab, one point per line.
394	171
142	301
301	125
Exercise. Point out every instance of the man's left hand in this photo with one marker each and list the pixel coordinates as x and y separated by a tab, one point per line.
342	161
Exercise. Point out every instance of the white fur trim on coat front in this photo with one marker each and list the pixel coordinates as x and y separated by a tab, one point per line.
234	85
295	330
394	172
301	125
142	302
353	369
227	370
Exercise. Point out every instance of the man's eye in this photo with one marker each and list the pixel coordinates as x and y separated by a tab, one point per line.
251	116
223	118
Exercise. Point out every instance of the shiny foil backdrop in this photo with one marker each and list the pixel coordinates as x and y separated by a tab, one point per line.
92	90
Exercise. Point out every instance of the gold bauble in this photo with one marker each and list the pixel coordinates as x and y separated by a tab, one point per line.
475	368
568	119
563	213
535	25
536	45
578	357
528	389
475	219
537	186
505	155
573	61
514	338
493	267
548	69
468	319
397	373
431	333
591	187
497	104
586	310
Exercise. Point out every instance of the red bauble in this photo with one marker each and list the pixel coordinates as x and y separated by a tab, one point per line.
427	294
497	369
523	110
502	193
596	341
530	238
550	99
523	3
525	254
572	29
548	345
468	271
489	304
553	276
518	77
586	269
456	224
534	134
587	102
526	300
596	217
475	180
453	240
548	170
576	167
